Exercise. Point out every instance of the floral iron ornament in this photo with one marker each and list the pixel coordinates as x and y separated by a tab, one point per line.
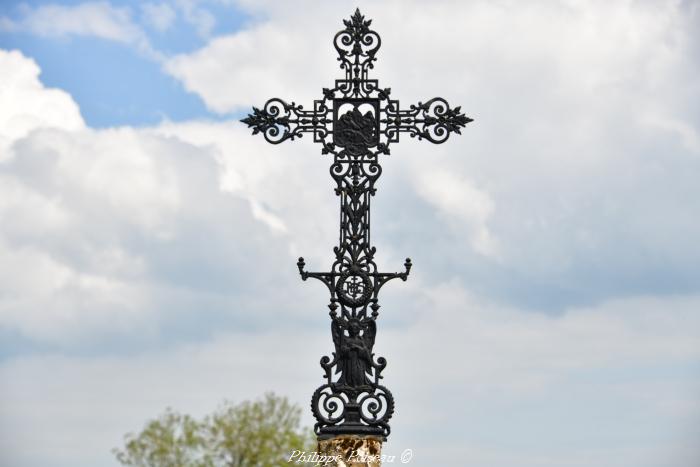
355	122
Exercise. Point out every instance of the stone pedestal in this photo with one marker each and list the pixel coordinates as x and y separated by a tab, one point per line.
352	451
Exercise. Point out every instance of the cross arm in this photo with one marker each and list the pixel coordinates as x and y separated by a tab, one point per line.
378	279
382	278
433	120
279	121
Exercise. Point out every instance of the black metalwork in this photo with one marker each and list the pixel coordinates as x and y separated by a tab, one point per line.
355	121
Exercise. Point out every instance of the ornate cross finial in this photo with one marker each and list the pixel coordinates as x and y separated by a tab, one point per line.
355	122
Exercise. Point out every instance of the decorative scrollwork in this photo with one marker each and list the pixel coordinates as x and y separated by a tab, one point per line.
377	406
433	120
279	121
355	121
327	405
357	46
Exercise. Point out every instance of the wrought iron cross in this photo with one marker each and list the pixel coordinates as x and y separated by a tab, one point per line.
355	122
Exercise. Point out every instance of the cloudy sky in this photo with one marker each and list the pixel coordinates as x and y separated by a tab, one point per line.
148	242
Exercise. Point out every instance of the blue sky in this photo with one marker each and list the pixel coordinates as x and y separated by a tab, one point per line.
113	83
148	244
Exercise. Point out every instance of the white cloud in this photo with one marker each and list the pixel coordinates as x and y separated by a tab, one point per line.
201	18
159	15
106	214
279	187
685	132
90	19
26	105
98	19
535	387
462	205
202	72
94	219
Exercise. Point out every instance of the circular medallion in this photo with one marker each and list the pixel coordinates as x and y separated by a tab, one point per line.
354	289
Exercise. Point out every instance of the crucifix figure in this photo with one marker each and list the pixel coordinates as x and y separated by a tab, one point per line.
355	122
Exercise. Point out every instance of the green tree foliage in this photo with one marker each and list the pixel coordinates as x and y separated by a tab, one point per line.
262	433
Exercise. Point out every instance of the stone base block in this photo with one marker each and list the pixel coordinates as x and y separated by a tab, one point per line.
352	451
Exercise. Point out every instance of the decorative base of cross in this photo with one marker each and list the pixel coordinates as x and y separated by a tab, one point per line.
351	451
